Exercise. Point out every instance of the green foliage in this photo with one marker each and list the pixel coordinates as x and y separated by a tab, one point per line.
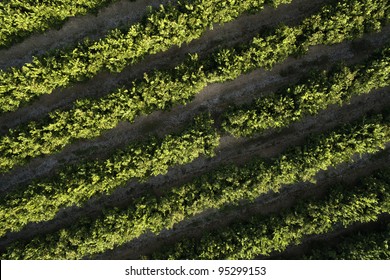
262	235
174	25
227	185
20	19
161	29
360	246
161	90
42	200
309	97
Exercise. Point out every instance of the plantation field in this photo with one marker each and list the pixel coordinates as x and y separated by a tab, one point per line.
195	129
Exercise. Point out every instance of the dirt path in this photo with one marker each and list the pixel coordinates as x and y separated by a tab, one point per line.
240	30
76	29
214	98
348	174
238	151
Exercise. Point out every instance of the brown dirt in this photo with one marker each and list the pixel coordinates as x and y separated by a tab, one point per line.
76	29
214	98
229	34
347	174
239	152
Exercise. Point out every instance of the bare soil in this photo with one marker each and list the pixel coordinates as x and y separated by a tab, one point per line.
215	98
347	174
238	152
76	29
227	35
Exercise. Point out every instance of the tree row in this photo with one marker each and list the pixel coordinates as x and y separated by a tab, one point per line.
22	18
42	200
263	235
161	29
220	188
160	90
310	96
371	245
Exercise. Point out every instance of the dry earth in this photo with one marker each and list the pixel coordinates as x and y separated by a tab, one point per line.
215	98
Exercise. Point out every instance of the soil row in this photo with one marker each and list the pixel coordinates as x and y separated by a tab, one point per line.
347	174
237	151
76	29
215	98
227	35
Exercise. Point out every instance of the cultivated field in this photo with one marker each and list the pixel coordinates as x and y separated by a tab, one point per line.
195	129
